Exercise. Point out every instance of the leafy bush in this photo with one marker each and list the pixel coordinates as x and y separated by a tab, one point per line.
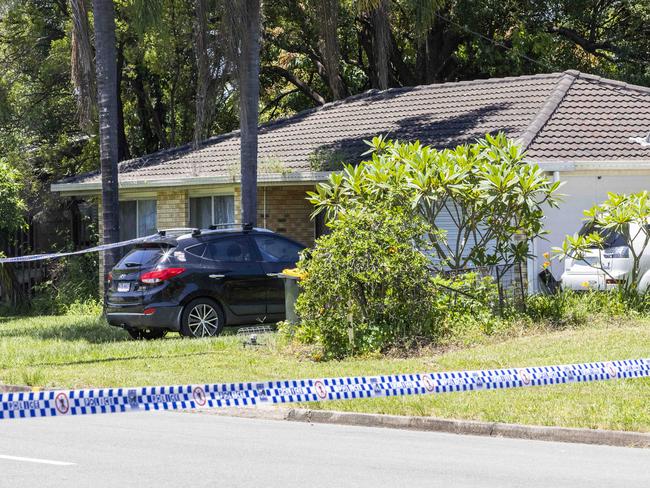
367	287
570	309
72	287
463	306
495	200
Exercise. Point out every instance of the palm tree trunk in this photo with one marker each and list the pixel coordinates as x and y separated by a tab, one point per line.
202	68
381	41
106	66
249	93
123	152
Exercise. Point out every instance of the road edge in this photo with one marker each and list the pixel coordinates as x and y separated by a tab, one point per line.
463	427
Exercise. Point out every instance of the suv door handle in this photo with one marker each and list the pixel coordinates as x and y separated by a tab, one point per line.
217	276
272	275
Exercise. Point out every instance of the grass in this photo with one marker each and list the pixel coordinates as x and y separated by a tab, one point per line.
82	351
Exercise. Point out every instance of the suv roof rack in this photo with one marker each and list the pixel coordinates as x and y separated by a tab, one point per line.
226	225
176	231
214	228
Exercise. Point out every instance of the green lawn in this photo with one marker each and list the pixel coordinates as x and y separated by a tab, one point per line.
78	351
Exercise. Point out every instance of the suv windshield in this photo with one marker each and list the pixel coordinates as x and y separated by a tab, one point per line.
141	257
611	238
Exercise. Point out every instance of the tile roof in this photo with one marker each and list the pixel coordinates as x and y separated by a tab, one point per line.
595	121
559	116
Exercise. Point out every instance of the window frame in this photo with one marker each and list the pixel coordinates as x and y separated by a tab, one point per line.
137	211
212	196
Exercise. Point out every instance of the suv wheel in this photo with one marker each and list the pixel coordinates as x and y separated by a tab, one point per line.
147	334
202	318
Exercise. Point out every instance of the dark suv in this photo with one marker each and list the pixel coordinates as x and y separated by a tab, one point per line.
197	281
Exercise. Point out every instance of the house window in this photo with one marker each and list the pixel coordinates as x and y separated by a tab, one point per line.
206	211
137	219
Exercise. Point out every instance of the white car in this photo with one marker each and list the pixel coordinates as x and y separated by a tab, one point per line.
605	269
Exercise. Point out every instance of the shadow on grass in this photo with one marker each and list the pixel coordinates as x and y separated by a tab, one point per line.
87	329
136	357
94	330
127	358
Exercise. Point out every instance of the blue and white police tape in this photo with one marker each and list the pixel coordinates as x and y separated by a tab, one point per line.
56	255
113	400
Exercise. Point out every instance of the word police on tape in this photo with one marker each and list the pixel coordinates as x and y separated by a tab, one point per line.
113	400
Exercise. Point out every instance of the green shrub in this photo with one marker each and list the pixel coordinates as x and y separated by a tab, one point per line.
72	287
367	288
463	307
570	308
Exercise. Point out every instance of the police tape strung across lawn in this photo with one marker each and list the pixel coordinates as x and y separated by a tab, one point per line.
112	400
56	255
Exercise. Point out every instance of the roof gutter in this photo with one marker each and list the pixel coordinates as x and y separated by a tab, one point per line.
306	177
267	179
570	166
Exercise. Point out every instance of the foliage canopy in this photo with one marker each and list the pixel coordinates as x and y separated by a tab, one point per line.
492	199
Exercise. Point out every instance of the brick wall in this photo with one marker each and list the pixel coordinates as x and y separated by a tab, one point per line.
286	211
172	209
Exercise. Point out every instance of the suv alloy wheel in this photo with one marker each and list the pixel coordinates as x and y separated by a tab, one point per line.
202	318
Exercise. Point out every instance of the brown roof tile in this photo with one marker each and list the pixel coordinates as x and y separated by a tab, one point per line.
558	116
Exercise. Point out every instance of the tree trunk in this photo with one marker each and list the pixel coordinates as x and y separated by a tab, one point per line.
328	20
106	66
144	111
123	152
249	93
435	55
204	80
381	42
203	70
81	63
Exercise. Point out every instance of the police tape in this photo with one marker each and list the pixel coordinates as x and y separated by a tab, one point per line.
114	400
56	255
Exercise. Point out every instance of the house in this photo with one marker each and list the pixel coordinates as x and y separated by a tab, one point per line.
584	130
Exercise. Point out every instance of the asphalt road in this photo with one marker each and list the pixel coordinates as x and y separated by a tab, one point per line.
185	449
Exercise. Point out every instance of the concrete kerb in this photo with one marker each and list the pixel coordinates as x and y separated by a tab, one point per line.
464	427
14	388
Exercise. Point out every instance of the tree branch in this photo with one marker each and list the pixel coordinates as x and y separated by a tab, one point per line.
290	77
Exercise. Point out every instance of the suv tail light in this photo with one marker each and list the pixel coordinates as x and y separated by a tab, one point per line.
612	281
160	275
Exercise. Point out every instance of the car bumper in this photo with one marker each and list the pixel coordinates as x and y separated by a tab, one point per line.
161	318
586	282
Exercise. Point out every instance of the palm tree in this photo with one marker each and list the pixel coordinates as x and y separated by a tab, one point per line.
248	67
381	24
106	68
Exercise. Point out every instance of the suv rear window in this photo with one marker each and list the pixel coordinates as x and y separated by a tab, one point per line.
141	257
